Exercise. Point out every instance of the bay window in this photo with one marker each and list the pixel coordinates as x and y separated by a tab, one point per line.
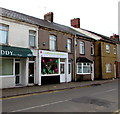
83	68
3	34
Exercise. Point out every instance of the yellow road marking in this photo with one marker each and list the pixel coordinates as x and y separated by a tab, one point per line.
116	112
20	96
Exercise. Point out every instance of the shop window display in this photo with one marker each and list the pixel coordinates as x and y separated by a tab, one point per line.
49	66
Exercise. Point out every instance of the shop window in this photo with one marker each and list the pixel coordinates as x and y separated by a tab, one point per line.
6	67
108	68
82	48
52	42
69	45
32	37
83	68
49	66
3	34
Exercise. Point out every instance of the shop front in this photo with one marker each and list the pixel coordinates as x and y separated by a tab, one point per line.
53	67
14	66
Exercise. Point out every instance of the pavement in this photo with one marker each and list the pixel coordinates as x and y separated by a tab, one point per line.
17	91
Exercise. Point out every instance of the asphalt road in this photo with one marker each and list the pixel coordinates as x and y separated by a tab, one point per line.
100	98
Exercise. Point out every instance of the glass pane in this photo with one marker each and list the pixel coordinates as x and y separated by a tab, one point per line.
3	36
6	66
62	68
31	40
79	68
17	68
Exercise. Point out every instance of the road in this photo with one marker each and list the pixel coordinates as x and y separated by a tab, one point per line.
99	98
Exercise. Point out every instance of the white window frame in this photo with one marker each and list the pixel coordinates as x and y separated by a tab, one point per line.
92	49
82	47
69	45
33	34
82	67
4	28
52	38
114	50
108	68
107	48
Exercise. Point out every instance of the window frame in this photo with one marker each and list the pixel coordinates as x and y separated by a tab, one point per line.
2	28
114	50
88	65
92	49
82	47
69	45
107	48
108	68
33	36
52	38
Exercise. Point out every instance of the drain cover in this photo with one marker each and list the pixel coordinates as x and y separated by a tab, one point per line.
91	100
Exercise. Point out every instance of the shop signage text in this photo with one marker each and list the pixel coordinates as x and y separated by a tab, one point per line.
3	52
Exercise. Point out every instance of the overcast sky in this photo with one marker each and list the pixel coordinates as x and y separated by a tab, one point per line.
99	16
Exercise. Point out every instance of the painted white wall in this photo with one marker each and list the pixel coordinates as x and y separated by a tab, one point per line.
7	81
18	34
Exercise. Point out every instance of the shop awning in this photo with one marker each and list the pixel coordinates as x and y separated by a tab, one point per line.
83	59
9	51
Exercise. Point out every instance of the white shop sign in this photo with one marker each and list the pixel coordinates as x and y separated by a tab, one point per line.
52	54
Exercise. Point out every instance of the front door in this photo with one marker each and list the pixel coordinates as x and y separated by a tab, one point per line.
114	70
62	72
69	72
31	73
17	73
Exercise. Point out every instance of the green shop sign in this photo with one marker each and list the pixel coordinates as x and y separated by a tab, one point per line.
7	51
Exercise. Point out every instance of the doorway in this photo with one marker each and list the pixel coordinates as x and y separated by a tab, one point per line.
17	73
69	72
31	73
62	72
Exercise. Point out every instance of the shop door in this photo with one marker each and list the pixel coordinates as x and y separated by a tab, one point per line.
69	72
62	72
31	73
17	73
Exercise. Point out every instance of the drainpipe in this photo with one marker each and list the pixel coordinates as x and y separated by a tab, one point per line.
75	79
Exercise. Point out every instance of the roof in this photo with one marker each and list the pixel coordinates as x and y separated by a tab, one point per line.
39	22
90	35
103	37
83	59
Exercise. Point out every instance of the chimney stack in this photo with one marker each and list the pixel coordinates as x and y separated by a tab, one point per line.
75	22
115	37
49	17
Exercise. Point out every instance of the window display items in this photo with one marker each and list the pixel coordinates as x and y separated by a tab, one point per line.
49	66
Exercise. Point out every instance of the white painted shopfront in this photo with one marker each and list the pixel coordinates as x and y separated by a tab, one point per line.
53	64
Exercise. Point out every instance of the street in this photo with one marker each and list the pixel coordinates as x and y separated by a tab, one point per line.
96	98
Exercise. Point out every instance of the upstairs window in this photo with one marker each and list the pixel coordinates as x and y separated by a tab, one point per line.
107	48
32	37
82	48
3	34
52	42
114	50
92	49
69	45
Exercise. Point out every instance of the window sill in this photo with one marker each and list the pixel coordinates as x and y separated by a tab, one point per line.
83	73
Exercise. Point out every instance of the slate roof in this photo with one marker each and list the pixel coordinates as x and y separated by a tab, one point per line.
36	21
104	38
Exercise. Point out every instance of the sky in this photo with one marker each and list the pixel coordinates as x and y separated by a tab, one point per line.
100	16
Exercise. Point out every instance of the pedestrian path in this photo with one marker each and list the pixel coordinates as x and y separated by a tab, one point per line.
46	88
